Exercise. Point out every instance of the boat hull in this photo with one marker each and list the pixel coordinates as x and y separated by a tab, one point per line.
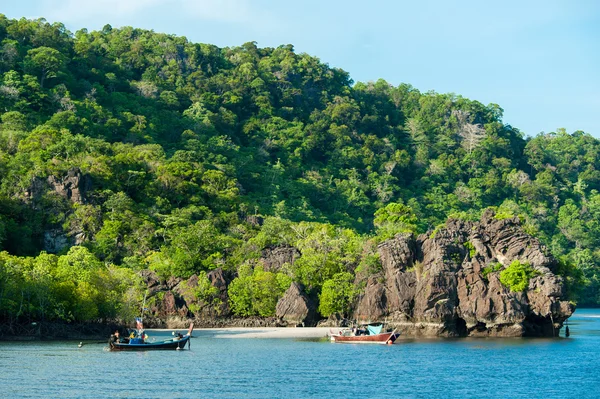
166	345
170	344
383	338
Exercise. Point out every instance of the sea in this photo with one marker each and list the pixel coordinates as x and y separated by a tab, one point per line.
294	368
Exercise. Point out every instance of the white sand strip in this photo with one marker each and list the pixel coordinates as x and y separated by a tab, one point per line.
267	332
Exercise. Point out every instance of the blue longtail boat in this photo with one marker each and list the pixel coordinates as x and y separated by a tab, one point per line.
139	344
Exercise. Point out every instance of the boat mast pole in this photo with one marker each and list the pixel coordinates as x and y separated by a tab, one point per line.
143	306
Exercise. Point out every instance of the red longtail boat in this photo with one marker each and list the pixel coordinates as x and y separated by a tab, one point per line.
370	335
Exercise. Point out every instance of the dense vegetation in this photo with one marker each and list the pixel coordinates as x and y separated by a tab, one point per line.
200	157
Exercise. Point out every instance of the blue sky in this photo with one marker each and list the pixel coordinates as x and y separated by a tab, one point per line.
539	60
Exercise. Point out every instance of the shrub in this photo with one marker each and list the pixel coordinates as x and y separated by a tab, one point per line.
471	248
493	267
203	294
517	275
256	292
337	295
436	229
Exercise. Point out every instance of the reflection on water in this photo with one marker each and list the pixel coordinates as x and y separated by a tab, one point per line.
258	368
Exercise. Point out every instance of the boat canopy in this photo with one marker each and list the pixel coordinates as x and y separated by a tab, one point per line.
374	330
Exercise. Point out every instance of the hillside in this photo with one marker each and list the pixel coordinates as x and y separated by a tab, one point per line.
126	151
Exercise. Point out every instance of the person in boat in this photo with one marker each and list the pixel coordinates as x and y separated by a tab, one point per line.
114	338
177	336
138	334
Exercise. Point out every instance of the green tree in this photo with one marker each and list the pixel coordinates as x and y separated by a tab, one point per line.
45	62
395	218
337	295
256	292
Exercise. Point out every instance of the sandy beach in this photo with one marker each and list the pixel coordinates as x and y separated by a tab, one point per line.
266	332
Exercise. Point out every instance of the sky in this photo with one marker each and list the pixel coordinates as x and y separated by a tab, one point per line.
538	60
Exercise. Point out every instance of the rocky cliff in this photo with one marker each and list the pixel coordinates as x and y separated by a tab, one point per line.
445	283
448	283
73	186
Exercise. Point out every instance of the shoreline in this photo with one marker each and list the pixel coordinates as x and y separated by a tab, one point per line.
258	332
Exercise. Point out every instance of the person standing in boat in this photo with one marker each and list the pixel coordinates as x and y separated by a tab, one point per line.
140	327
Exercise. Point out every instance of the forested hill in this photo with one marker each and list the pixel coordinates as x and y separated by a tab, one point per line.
126	149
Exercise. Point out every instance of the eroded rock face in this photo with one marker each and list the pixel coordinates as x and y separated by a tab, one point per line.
176	298
296	308
373	304
273	259
74	186
56	240
153	282
436	285
217	279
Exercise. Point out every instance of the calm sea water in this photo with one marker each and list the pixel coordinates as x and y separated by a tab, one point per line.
260	368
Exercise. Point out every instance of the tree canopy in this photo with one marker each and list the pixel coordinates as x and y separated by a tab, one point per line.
199	157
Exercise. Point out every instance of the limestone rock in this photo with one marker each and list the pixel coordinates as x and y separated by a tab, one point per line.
56	240
154	283
218	280
398	252
179	296
435	285
215	309
74	186
373	303
295	307
335	320
273	259
169	306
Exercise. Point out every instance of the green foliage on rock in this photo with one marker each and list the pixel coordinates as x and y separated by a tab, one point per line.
204	294
492	268
516	276
471	248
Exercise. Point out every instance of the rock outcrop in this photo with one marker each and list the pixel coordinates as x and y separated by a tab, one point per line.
178	298
55	240
448	283
296	308
74	186
273	259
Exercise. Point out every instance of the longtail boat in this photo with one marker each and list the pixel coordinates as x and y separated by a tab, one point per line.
370	335
138	344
